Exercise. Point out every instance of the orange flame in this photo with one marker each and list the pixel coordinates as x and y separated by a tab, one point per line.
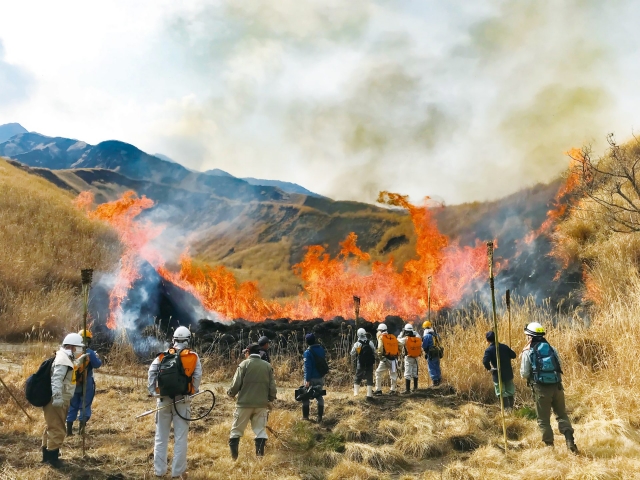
329	284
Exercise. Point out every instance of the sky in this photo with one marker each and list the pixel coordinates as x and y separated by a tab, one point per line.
461	101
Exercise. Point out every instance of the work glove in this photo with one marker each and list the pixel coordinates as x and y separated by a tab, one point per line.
57	402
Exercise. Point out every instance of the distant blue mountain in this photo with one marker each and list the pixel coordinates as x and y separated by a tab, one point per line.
9	130
216	172
288	187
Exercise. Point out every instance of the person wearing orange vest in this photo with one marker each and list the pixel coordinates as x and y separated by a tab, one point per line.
412	344
165	417
388	354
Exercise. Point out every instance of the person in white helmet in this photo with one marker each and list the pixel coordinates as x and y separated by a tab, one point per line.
363	354
388	355
166	391
541	367
63	385
412	344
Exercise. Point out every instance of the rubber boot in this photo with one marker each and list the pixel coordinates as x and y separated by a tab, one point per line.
45	456
305	412
407	387
415	384
234	444
436	383
260	444
369	391
548	444
356	390
69	429
83	424
571	444
54	458
320	413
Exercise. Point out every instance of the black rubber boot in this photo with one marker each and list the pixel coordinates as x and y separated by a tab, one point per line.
69	429
437	383
54	458
548	444
415	384
407	388
305	412
234	444
571	444
320	413
45	455
83	424
260	444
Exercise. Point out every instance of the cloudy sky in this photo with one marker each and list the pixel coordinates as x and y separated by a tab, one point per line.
462	100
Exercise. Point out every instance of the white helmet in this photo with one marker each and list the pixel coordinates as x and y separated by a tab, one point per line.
73	339
382	327
534	329
408	327
362	333
182	334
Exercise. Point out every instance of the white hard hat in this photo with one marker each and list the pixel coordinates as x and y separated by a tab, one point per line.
382	327
182	333
73	339
534	329
408	327
361	332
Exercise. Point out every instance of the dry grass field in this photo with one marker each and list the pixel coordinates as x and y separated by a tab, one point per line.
449	432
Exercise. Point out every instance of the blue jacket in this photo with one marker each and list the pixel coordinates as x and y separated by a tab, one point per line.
310	363
427	341
506	355
94	362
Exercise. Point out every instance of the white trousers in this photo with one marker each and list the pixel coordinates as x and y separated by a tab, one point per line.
242	416
410	367
392	367
180	433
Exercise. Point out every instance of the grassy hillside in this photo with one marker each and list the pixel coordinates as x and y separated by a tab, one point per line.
44	242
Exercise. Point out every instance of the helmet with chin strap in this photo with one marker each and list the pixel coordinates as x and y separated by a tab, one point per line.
181	334
361	333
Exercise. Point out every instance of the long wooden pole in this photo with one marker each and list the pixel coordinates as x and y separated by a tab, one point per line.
16	400
429	280
509	314
495	329
87	276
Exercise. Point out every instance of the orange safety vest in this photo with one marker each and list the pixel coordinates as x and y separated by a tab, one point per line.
189	361
414	347
390	344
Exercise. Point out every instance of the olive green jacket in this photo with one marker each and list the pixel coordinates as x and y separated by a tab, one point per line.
253	383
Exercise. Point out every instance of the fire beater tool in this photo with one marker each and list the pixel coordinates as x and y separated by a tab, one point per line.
15	399
188	397
87	276
495	330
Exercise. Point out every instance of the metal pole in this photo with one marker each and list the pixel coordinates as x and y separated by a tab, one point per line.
16	400
509	314
87	277
495	329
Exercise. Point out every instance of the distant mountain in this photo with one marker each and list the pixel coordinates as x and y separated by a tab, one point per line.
9	130
164	157
216	172
286	186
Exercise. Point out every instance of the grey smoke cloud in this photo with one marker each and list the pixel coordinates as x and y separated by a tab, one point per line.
348	98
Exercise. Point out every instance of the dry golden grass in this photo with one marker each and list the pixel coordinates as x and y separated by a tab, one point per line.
44	242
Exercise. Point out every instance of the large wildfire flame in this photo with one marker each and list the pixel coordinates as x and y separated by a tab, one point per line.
329	284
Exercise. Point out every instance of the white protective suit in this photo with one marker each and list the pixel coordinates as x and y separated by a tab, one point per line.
165	417
410	363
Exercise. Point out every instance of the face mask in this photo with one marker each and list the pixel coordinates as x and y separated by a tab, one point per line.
69	351
78	351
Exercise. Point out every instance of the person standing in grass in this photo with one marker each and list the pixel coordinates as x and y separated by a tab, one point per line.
491	364
433	352
263	342
412	345
542	369
166	383
91	361
314	358
63	384
364	356
255	386
388	355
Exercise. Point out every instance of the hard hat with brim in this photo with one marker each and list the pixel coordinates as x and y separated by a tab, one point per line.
534	329
73	339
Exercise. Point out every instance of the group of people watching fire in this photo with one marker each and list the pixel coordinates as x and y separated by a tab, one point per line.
254	385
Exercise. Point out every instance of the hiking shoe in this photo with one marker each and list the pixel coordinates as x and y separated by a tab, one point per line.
377	393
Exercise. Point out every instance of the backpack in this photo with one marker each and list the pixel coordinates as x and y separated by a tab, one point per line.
390	343
38	386
172	378
413	347
435	350
320	363
544	364
366	357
